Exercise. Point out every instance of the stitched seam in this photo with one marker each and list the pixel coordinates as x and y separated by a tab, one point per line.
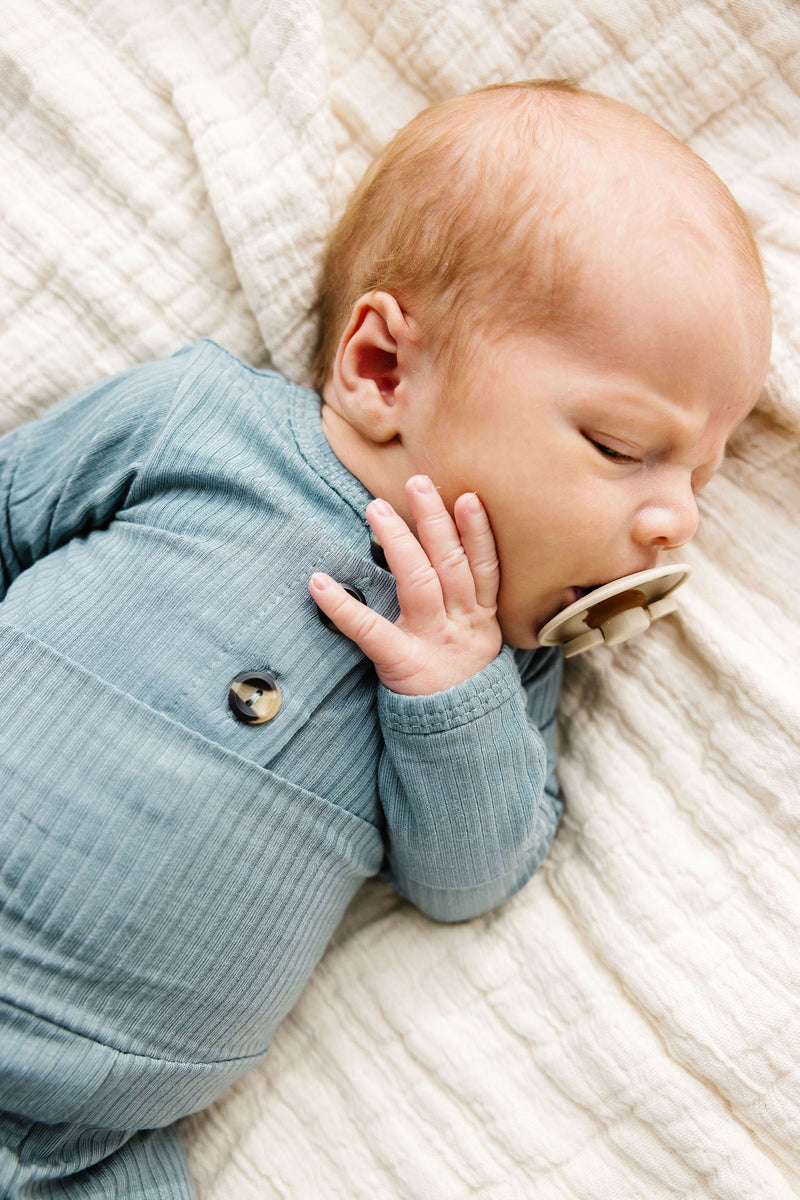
178	1062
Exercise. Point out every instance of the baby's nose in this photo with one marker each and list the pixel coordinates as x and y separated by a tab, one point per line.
667	521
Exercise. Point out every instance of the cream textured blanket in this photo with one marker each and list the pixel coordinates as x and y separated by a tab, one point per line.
629	1025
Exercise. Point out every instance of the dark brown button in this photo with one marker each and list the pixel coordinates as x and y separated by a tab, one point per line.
351	590
378	557
254	697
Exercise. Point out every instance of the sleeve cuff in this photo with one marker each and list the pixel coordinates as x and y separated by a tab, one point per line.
494	686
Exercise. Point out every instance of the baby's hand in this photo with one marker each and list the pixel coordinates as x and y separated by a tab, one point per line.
447	586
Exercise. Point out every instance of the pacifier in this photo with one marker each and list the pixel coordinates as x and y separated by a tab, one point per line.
616	611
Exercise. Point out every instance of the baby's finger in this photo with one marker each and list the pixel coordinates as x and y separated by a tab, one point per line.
378	638
441	541
419	591
478	541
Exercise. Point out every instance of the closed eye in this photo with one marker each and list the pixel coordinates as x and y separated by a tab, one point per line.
610	452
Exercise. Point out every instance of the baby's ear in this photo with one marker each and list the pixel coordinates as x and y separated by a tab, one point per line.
369	367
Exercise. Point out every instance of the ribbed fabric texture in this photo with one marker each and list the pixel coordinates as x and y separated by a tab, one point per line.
38	1162
485	849
169	876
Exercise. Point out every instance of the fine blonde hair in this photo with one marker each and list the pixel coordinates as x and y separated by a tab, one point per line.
463	213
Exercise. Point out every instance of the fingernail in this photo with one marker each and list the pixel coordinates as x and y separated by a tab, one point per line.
382	507
319	582
473	504
423	484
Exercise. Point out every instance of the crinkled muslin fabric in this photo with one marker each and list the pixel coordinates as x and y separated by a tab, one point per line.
628	1026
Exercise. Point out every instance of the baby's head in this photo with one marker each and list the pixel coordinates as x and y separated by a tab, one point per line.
540	295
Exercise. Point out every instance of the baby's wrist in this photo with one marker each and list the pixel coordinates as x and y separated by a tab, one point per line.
462	703
446	671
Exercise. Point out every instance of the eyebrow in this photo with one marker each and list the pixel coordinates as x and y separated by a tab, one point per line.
652	412
649	407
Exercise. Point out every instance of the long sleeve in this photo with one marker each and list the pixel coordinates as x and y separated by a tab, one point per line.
467	782
69	471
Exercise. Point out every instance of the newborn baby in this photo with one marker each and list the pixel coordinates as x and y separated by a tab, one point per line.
541	320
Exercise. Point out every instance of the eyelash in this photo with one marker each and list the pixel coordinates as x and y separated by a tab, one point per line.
608	452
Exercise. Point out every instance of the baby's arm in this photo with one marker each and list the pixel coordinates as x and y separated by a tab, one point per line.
469	795
69	471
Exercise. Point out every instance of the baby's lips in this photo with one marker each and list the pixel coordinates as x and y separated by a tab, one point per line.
577	593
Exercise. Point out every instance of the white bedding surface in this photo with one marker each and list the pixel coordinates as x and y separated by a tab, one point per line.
629	1025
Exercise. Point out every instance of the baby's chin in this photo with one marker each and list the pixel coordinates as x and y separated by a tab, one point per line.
521	630
519	635
519	644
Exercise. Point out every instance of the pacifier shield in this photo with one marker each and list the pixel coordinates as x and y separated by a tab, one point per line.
616	611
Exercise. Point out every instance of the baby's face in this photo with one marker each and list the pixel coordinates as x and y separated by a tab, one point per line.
588	450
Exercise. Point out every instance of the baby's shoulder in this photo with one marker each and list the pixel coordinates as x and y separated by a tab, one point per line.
208	354
210	371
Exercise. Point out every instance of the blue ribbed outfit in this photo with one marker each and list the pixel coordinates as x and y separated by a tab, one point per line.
170	875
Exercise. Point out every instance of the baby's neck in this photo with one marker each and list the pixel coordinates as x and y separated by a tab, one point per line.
381	467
